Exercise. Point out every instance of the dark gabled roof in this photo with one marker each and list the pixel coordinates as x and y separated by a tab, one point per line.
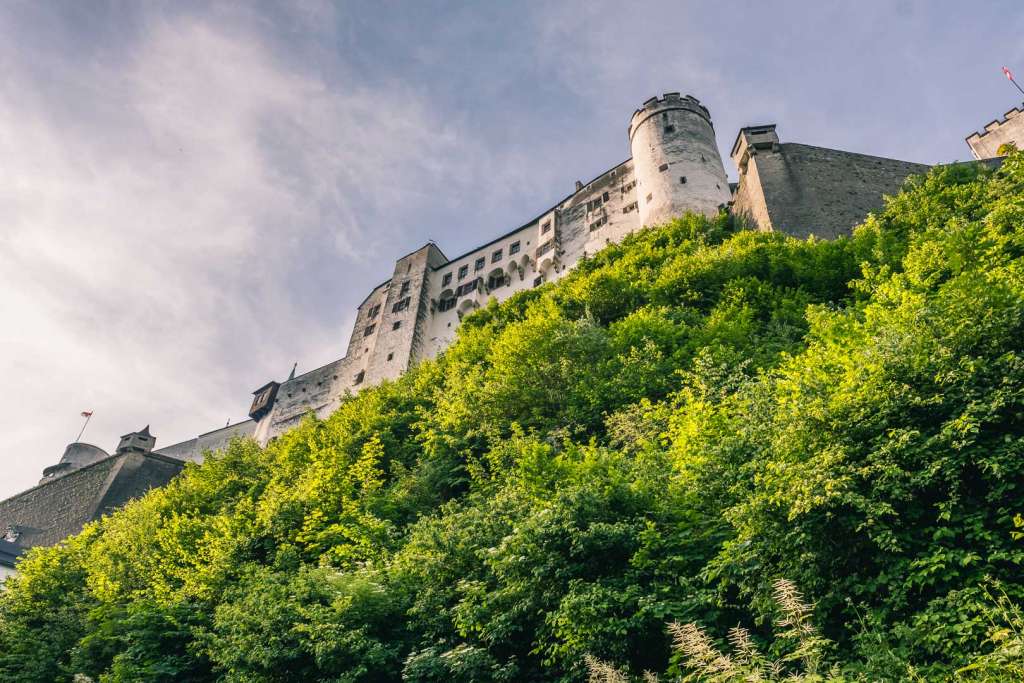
50	512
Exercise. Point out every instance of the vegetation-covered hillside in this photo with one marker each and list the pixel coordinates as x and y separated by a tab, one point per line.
659	437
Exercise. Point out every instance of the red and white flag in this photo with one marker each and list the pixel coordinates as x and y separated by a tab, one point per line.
86	413
1008	74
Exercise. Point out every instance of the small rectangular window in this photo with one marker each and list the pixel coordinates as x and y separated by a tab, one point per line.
538	281
670	129
395	325
545	227
513	248
663	168
446	280
369	330
405	288
649	198
682	180
480	263
446	304
391	355
496	256
373	311
466	288
401	305
605	196
463	271
359	377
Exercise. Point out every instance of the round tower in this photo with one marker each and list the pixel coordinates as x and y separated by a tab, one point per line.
676	160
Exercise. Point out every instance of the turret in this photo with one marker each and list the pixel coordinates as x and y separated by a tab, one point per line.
676	160
138	442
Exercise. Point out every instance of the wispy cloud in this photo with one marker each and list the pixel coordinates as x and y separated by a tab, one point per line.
195	194
161	221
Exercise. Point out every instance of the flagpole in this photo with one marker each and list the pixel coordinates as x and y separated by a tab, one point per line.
1009	76
87	418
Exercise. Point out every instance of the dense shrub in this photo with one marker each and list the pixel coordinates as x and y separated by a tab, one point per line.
658	437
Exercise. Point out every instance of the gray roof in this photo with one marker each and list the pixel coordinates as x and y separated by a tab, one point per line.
50	512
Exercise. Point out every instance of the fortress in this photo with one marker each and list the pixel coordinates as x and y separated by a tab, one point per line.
674	167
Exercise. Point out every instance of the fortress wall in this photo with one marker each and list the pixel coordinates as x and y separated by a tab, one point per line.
585	228
47	513
582	224
185	450
319	390
438	327
378	297
194	449
807	190
137	474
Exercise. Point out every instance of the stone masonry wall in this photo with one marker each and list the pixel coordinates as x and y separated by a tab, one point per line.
50	512
816	191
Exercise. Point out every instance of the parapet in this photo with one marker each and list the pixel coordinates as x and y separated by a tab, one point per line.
670	100
1009	129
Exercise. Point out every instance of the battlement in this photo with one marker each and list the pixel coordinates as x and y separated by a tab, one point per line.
1009	129
667	102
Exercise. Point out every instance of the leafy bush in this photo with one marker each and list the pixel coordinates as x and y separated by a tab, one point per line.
648	440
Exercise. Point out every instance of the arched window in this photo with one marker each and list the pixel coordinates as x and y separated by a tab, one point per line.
496	279
446	302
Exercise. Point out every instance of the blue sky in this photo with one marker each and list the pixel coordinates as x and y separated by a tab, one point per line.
193	196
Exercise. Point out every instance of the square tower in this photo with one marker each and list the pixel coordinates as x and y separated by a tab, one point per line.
1008	130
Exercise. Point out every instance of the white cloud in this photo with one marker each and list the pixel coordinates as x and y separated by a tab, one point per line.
160	206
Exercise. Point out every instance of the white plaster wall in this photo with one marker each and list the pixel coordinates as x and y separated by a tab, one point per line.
1010	129
672	138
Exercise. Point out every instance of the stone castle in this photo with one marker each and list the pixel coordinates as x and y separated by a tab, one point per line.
674	167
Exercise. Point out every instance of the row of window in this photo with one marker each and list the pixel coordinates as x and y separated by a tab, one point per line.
494	282
598	223
481	263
